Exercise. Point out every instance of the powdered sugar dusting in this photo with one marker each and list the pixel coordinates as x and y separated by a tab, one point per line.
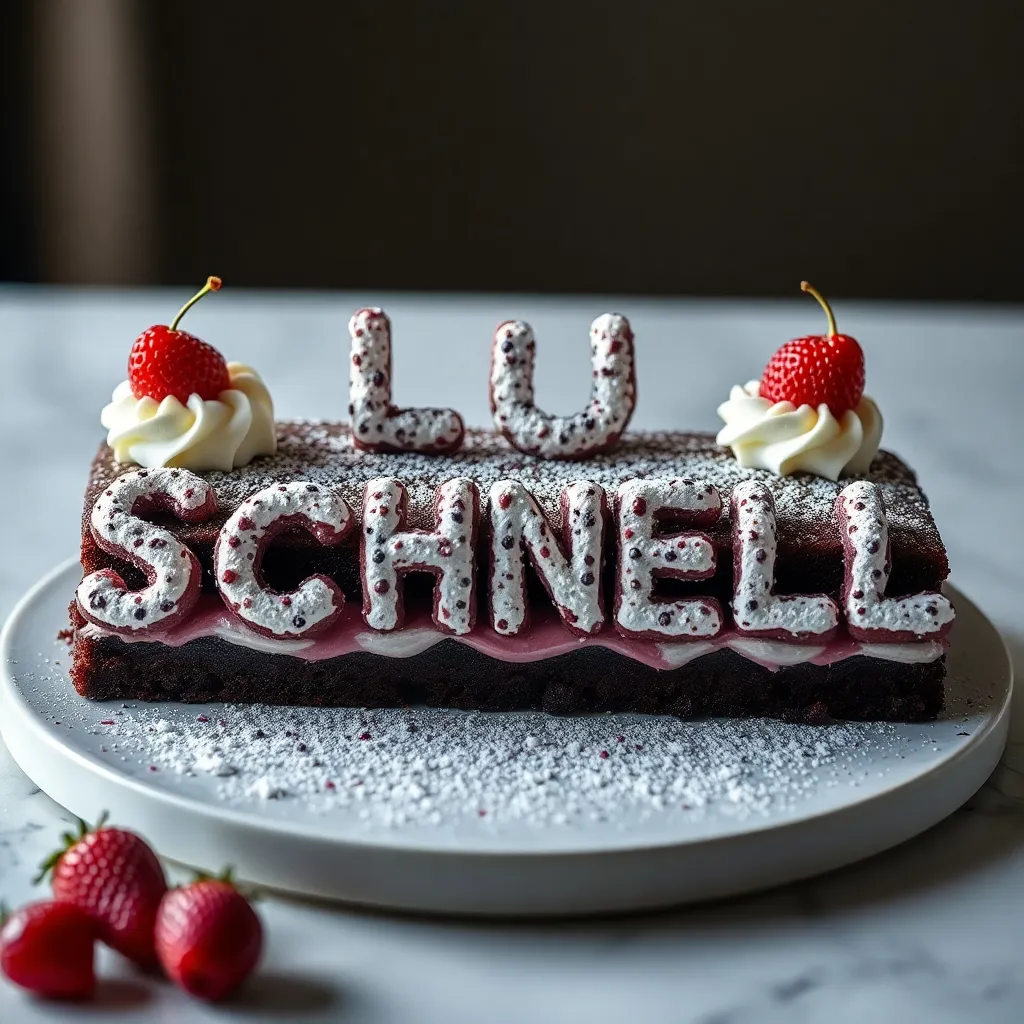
430	768
323	453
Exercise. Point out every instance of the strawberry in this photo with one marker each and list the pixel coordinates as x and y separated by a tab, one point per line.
113	875
165	361
48	949
819	369
208	937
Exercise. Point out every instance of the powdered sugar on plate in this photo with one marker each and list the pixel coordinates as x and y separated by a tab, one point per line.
424	767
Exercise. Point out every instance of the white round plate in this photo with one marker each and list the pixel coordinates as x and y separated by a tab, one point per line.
509	814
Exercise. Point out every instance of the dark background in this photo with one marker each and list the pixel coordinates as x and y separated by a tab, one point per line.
670	148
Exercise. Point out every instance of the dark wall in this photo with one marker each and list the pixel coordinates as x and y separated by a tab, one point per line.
666	147
17	252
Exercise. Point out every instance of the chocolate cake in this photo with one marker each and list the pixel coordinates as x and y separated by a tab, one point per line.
591	677
787	567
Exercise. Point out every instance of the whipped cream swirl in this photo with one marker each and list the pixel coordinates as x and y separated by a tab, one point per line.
222	433
785	439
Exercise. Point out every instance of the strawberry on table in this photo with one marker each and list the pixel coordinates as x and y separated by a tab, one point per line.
818	369
48	949
165	361
208	937
114	876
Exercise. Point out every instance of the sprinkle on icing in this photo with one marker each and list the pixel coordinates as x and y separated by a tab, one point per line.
870	616
518	528
389	550
377	425
317	601
646	554
612	394
172	572
756	610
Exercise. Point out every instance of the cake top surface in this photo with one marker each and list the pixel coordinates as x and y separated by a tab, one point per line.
322	452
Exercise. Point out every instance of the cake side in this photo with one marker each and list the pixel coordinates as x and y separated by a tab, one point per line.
451	674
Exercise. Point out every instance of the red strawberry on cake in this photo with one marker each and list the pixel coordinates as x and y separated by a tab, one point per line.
808	412
821	369
184	405
165	361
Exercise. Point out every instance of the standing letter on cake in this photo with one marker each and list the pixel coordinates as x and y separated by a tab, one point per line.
756	610
612	392
377	425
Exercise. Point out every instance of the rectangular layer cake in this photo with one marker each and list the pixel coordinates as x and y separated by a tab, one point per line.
213	654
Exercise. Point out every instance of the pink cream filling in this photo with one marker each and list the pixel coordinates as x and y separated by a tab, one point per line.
545	637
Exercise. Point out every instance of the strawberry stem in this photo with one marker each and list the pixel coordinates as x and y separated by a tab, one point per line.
68	839
227	874
212	285
811	290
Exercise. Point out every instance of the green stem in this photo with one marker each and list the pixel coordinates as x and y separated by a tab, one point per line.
212	285
811	290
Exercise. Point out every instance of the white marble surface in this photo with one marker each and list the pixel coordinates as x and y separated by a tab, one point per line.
933	930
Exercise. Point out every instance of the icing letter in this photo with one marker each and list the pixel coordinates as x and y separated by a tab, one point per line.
518	527
870	616
645	557
389	551
377	425
612	392
172	571
756	610
243	541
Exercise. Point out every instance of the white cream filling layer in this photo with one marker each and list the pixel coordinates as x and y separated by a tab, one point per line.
408	643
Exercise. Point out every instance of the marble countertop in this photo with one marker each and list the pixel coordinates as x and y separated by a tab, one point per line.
933	930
